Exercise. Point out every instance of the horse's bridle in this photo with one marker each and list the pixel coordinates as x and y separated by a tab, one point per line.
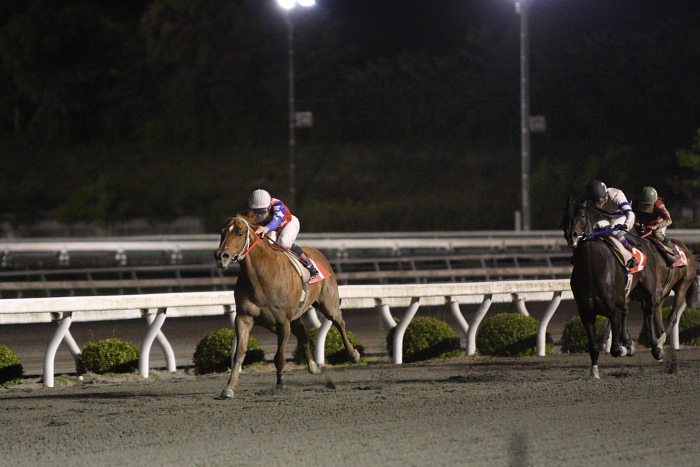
247	245
576	237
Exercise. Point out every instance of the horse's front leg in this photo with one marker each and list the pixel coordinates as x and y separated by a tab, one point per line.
243	326
624	334
280	360
593	350
655	324
616	321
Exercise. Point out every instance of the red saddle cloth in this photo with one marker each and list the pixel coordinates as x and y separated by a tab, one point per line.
322	273
641	260
683	261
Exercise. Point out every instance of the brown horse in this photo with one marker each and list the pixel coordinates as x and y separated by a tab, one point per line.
600	285
268	293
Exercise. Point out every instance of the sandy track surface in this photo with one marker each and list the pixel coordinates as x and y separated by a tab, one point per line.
470	410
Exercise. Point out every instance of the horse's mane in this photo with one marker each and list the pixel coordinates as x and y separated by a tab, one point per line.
247	214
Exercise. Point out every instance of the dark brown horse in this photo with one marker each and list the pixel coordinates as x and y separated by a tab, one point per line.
602	286
269	293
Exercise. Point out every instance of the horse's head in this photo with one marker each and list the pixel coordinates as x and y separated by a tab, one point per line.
235	240
575	224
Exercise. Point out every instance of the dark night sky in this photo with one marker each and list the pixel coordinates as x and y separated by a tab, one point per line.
386	25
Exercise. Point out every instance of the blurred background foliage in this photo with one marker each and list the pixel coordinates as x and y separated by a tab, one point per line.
114	110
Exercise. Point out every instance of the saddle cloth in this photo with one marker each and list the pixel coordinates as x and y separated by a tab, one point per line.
670	254
303	272
623	254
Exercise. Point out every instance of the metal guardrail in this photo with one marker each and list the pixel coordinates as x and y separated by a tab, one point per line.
183	278
380	297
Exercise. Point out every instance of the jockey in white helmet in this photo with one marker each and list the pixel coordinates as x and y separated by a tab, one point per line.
275	219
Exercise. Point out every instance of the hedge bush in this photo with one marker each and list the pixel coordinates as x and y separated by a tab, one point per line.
510	335
111	355
574	338
425	339
213	352
11	369
688	328
334	349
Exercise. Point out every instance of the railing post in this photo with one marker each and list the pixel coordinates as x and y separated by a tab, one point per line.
320	356
480	313
520	304
401	329
542	330
313	317
385	311
456	312
64	322
228	310
675	338
155	323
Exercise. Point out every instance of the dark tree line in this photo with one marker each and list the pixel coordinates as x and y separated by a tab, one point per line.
125	109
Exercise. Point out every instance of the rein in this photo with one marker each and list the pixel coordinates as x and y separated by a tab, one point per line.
601	232
247	245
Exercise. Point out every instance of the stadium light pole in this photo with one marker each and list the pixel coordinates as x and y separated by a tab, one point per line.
288	6
521	7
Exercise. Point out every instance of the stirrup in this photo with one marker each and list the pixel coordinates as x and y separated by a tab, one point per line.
312	269
632	263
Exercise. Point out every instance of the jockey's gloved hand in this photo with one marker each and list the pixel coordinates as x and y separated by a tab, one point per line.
622	227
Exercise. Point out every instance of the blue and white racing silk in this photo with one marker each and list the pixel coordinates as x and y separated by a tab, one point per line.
280	215
616	210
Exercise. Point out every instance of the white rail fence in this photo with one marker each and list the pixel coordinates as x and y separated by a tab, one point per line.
155	307
340	243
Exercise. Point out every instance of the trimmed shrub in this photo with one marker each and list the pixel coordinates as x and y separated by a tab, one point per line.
111	355
335	349
688	328
510	335
11	369
425	339
213	353
574	338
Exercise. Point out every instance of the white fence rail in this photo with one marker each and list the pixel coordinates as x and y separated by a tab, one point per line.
154	307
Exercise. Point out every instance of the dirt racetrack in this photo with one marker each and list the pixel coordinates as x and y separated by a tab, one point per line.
469	410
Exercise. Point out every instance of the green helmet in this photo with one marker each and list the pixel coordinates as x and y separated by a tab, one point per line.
648	195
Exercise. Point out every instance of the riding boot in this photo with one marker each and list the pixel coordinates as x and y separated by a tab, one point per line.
308	265
632	262
676	254
304	260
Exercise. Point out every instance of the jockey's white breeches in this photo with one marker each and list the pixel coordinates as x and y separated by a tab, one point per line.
286	236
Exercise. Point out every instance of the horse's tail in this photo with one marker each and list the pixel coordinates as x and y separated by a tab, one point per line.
692	296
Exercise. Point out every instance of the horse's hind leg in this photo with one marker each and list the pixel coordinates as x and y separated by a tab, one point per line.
243	326
303	340
335	315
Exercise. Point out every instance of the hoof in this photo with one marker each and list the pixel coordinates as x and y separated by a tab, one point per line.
356	356
631	350
594	372
226	394
657	353
313	368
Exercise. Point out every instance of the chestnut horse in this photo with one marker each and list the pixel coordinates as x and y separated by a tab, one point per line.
268	293
600	285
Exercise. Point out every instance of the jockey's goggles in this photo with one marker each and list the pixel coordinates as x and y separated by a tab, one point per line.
261	211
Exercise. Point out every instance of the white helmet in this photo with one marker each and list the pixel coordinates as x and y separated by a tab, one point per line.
260	199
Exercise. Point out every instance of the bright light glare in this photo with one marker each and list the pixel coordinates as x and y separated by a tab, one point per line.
289	4
286	4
